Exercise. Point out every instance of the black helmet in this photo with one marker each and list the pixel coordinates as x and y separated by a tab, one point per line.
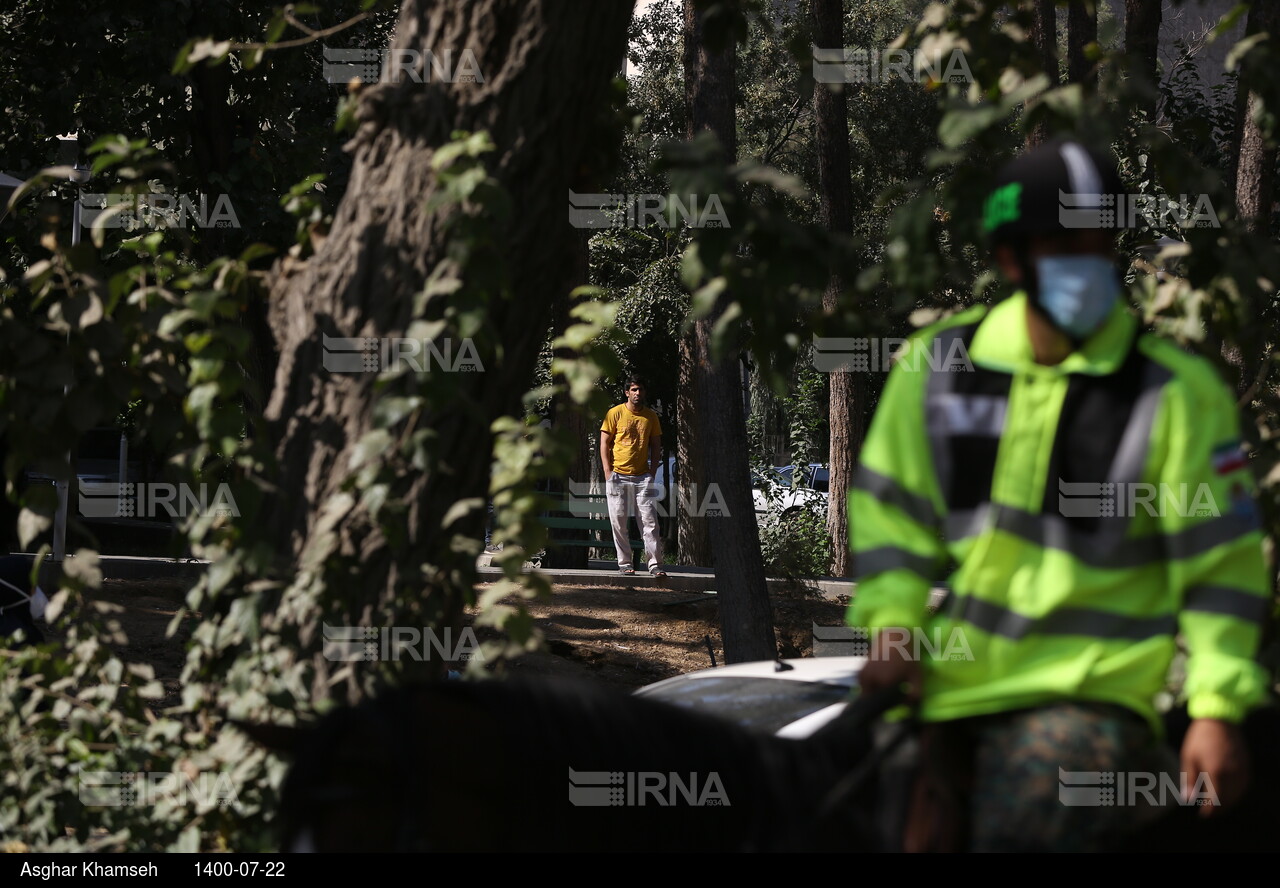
1058	186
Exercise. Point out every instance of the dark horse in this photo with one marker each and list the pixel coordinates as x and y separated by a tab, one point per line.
525	766
551	766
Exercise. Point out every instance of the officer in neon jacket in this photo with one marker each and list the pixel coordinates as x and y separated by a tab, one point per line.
1082	486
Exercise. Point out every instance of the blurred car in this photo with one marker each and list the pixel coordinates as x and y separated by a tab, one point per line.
780	492
788	698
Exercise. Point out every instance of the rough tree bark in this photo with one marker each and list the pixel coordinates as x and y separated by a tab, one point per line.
693	535
1082	29
1255	196
693	539
1255	169
848	390
546	66
746	615
1044	36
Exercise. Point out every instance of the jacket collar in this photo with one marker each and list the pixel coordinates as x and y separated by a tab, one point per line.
1002	342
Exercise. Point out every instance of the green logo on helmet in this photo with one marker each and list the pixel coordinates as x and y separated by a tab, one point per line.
1002	206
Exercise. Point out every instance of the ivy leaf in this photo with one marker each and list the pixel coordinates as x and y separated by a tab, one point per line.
31	525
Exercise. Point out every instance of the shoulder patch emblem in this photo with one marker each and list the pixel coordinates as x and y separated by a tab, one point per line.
1229	458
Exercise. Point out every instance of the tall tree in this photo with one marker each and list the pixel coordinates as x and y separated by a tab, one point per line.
848	390
545	66
1082	30
693	532
566	415
1044	36
1256	166
693	537
1255	197
746	615
1141	42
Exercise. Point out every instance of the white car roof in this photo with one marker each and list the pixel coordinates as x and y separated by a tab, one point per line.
830	670
839	673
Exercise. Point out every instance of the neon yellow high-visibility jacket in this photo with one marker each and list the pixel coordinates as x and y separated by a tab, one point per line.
1086	514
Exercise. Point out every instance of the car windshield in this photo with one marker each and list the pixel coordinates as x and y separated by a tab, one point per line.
760	704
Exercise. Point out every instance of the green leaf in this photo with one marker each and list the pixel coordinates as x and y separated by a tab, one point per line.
958	127
1241	49
31	525
461	509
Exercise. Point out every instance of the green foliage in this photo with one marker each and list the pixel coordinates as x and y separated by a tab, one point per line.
795	543
807	408
157	324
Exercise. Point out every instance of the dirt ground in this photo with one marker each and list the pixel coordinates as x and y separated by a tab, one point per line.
636	636
627	637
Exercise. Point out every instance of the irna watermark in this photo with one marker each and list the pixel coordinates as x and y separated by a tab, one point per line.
850	64
370	354
600	789
134	211
401	65
1094	210
600	211
373	644
109	499
115	789
881	354
1120	499
911	644
1099	789
592	501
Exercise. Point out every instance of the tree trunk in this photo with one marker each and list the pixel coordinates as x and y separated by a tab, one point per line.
1255	196
1142	42
746	614
546	66
565	414
1044	36
831	115
1082	29
1255	169
693	537
693	534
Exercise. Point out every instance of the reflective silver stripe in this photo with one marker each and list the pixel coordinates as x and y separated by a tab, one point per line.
1200	538
939	386
1105	547
874	561
967	523
887	490
953	414
1223	600
1131	455
1109	546
1000	620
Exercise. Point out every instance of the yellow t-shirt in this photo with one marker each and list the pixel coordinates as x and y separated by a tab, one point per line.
632	433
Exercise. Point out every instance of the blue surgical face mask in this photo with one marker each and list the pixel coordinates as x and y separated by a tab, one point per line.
1077	292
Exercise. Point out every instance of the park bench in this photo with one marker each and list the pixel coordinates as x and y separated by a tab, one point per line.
573	522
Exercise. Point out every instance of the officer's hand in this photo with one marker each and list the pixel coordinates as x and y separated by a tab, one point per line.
1216	749
891	664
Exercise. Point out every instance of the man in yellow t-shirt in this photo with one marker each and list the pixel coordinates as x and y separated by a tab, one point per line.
630	451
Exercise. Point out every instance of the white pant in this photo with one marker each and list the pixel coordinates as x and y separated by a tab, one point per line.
633	495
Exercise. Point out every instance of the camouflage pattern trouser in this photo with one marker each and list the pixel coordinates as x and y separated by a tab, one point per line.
993	783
